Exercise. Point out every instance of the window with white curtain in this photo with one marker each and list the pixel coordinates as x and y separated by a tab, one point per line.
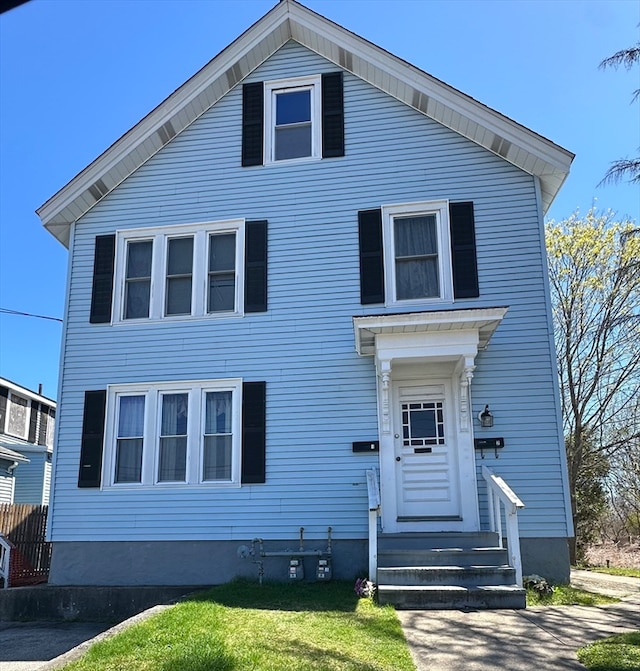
171	434
180	272
417	252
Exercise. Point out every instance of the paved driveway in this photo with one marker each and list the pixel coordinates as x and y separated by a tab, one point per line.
27	646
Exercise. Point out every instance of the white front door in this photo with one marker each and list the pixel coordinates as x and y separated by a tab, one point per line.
427	476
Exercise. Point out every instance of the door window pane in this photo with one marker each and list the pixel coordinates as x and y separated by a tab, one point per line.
423	423
138	279
172	465
179	276
217	436
222	274
416	257
130	439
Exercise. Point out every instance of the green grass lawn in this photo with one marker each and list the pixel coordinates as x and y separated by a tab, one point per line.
565	595
273	627
628	572
617	653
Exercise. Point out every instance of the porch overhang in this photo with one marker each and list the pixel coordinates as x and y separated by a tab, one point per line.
475	325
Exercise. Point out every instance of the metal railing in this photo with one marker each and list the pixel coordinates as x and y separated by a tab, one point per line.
5	558
501	495
373	491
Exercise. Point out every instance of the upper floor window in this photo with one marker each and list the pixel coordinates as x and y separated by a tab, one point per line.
292	119
180	271
18	416
417	252
172	433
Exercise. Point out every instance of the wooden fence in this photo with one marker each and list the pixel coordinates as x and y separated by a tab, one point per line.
25	525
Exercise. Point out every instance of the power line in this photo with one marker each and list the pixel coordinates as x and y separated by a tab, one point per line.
28	314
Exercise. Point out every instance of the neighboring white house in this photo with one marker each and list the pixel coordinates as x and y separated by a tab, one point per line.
27	423
312	260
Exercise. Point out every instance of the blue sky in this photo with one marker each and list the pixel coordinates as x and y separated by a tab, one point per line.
75	75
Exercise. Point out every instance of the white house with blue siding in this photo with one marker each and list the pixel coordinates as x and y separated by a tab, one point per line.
311	261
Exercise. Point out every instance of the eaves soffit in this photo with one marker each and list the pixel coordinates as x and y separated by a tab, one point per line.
288	20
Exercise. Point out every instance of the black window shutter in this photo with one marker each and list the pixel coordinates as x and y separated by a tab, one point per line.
371	256
4	393
332	115
33	421
92	438
253	432
463	250
252	123
44	420
102	291
255	277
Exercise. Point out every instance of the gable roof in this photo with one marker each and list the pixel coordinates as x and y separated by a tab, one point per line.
289	20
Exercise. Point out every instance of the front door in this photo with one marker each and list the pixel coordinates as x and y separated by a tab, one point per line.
426	454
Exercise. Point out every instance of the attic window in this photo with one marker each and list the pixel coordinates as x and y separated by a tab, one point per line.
292	115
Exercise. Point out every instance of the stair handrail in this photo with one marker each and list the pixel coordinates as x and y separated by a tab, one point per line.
5	558
500	493
373	492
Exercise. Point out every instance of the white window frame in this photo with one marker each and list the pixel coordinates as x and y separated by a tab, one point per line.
271	90
153	392
199	286
439	208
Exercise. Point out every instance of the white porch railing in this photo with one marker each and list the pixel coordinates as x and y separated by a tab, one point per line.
500	493
5	556
373	491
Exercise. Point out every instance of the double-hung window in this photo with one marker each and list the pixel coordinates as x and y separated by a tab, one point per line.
417	253
172	434
180	271
293	119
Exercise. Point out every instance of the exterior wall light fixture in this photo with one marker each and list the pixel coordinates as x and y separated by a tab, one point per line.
485	418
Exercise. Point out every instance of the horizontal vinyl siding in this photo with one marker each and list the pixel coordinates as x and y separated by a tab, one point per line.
29	479
320	395
6	483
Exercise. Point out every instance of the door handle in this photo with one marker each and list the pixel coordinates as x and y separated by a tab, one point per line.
397	458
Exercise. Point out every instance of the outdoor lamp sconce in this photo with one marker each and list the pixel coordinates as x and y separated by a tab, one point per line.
486	418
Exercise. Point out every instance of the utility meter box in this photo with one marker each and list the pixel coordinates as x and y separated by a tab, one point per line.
324	569
296	568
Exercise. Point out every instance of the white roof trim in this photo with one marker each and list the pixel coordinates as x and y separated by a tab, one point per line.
483	320
10	455
289	20
23	391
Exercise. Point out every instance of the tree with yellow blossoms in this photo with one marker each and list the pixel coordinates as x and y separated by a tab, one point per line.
594	271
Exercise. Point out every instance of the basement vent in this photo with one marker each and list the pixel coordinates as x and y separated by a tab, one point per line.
345	59
420	101
234	74
166	132
98	189
500	146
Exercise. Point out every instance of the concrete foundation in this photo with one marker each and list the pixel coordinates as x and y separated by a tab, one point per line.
546	557
202	563
192	562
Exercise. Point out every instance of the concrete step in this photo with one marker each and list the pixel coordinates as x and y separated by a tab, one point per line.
455	576
412	597
478	556
435	540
